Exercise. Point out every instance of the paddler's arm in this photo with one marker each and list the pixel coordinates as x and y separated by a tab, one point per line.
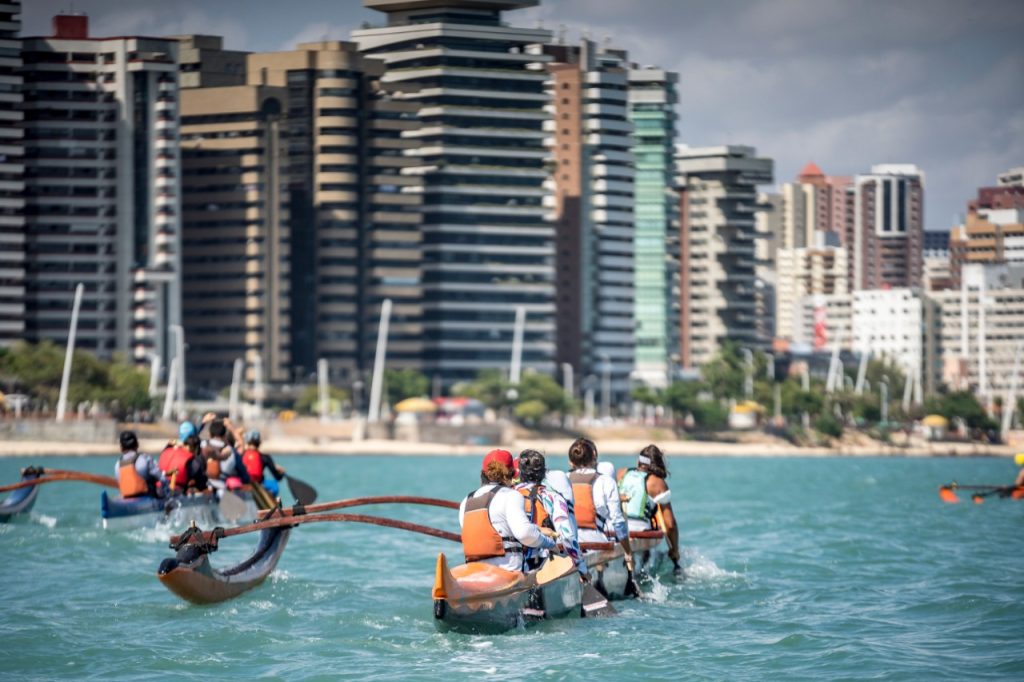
1020	479
660	494
236	431
610	492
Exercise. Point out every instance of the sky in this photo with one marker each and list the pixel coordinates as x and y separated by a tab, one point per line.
845	83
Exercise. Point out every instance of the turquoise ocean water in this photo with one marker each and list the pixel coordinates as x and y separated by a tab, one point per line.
796	569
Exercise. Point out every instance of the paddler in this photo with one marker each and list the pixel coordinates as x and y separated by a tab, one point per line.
647	500
223	463
181	463
258	464
1019	461
548	509
495	528
137	473
597	499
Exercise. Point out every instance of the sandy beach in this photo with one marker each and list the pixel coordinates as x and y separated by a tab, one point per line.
677	448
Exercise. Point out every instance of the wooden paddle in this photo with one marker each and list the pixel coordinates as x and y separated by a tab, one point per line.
51	476
359	501
232	507
289	521
594	603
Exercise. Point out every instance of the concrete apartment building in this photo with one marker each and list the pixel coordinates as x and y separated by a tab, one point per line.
979	329
487	248
12	179
354	211
658	245
236	234
818	269
830	313
993	231
590	137
888	227
718	205
102	189
891	324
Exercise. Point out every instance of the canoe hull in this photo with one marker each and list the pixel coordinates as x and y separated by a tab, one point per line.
191	576
147	512
483	599
608	567
20	501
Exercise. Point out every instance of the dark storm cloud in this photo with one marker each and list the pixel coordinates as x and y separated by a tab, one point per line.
848	83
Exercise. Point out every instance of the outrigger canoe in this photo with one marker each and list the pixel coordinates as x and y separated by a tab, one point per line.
190	575
608	564
20	501
479	598
146	511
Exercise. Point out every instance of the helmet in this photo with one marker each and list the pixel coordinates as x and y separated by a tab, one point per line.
253	437
128	440
1019	459
186	430
531	466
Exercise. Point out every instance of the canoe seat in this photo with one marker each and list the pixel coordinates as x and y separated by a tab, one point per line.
477	577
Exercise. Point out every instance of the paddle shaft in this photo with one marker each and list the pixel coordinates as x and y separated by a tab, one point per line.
957	486
52	477
389	499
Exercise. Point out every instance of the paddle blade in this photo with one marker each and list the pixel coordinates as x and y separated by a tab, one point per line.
232	507
947	495
303	492
594	603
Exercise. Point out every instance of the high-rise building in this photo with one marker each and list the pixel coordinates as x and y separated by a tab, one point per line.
658	246
204	63
487	247
354	208
888	227
993	231
102	189
816	269
592	182
814	203
12	178
236	233
718	205
890	323
936	259
980	329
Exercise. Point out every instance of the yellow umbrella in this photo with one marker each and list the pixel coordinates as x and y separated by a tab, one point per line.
935	421
416	405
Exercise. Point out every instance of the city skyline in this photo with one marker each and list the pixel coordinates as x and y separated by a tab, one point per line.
801	81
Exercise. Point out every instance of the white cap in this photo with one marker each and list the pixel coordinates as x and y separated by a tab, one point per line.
606	468
558	481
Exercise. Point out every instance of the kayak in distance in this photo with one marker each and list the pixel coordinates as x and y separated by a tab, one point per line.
21	501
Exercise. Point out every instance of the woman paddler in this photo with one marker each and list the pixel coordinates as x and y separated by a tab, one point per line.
548	509
597	499
495	529
647	499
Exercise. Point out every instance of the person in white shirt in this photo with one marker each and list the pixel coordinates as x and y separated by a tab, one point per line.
495	528
597	499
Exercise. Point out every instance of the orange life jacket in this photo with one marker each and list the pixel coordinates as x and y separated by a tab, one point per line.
535	510
212	468
479	538
583	492
129	482
176	457
253	462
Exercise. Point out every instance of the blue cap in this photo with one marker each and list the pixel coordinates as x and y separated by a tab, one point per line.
252	436
185	430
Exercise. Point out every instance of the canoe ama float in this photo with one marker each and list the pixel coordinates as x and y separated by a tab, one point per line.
191	576
20	501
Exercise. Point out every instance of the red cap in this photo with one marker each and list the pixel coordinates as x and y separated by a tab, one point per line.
503	456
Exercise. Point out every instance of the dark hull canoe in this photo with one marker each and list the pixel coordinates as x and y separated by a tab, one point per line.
20	501
146	511
191	576
608	567
480	598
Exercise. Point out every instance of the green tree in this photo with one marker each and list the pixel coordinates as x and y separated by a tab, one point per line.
725	373
542	388
490	387
405	383
828	425
962	404
531	411
128	389
308	401
648	396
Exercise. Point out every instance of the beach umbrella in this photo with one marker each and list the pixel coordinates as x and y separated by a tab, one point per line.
416	405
